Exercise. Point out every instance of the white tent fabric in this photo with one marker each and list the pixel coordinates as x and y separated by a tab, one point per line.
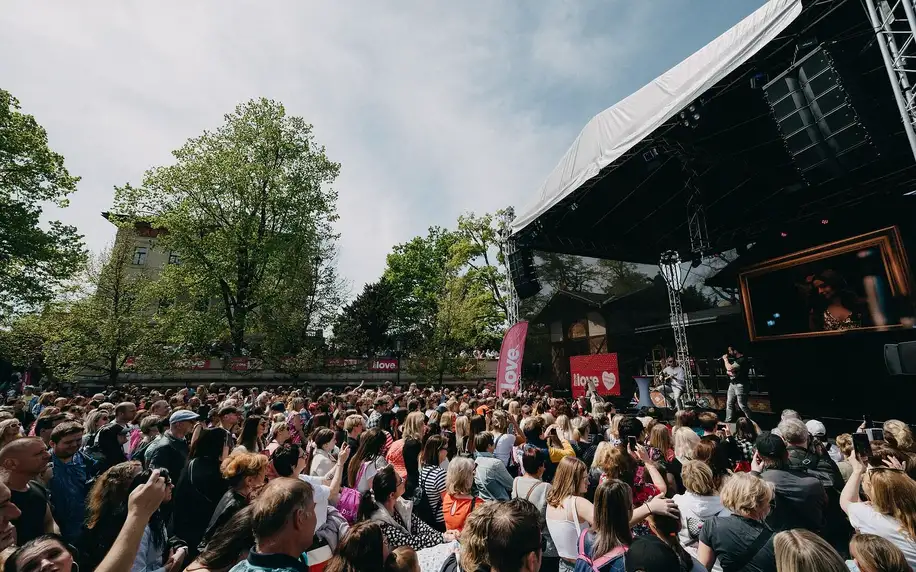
618	129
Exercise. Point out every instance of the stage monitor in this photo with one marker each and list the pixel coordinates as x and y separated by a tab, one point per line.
861	283
900	358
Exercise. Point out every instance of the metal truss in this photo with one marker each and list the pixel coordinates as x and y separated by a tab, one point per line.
894	23
670	267
512	301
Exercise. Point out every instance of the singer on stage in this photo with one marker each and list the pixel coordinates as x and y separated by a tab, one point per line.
736	367
673	378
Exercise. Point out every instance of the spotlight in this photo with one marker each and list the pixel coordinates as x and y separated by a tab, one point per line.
777	315
771	323
824	221
783	234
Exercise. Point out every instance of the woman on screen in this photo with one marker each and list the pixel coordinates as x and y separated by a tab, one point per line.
834	306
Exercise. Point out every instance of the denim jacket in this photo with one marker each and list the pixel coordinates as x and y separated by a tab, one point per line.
68	489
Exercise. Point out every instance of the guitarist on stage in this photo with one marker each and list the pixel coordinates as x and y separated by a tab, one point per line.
673	378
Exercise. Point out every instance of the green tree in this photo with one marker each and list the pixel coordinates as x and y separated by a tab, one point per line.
363	327
616	278
248	206
480	247
113	321
417	272
35	259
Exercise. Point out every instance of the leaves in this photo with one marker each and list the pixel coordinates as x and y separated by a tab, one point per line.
34	261
250	207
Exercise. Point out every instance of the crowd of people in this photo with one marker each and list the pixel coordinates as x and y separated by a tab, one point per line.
423	479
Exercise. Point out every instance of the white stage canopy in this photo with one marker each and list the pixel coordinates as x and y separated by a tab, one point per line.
618	129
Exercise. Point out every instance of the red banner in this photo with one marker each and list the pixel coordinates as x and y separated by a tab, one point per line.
244	364
509	370
597	370
383	365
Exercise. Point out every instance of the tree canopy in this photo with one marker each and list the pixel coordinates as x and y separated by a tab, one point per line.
250	209
35	259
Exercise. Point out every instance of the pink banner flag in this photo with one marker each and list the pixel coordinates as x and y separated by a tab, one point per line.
509	371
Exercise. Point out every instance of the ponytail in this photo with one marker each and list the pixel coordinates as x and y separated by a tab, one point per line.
666	529
367	506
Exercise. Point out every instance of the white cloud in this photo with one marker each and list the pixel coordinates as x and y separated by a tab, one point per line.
432	108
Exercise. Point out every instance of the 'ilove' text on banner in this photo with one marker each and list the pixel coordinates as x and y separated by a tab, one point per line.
599	370
509	371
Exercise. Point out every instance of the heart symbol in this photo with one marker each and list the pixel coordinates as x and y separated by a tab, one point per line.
608	379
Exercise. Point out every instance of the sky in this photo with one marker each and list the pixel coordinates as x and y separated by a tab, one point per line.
432	108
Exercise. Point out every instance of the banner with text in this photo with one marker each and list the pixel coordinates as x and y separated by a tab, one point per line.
509	370
383	364
598	370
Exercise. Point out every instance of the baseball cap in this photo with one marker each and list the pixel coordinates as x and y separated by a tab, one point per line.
650	554
816	428
183	415
770	445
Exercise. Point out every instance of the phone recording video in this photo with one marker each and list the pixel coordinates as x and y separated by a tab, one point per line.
861	445
631	442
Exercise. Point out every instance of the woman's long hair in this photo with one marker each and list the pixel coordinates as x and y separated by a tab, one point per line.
89	425
714	454
209	444
872	552
745	430
384	483
570	473
893	493
371	444
803	551
249	437
613	510
360	550
156	522
108	495
228	543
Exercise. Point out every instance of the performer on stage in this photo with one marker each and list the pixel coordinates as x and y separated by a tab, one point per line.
736	367
674	379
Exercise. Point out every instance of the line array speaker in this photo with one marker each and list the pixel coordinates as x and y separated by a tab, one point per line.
524	273
817	120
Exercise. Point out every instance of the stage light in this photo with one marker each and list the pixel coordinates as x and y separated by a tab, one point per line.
573	206
783	234
771	323
824	221
777	315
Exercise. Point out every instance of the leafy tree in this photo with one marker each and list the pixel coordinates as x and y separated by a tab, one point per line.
480	247
616	278
34	261
417	273
248	206
363	327
112	322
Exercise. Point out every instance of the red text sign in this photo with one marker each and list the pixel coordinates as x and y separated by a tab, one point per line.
597	370
383	364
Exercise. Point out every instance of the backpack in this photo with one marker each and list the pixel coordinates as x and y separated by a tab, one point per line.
421	506
613	561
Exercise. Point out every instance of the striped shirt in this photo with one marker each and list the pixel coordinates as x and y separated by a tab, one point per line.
433	480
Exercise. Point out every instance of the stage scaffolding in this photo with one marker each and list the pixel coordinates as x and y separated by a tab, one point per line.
670	267
895	26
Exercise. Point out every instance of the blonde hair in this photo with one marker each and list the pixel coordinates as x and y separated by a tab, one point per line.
745	495
893	493
660	438
844	442
685	442
474	550
580	428
570	473
872	552
402	559
499	421
602	455
413	426
898	434
615	423
564	428
352	422
459	479
698	479
447	421
803	551
514	408
237	466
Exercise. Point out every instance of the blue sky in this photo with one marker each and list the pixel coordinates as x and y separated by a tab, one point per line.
432	108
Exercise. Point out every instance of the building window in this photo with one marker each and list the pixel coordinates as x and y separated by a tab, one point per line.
140	256
174	258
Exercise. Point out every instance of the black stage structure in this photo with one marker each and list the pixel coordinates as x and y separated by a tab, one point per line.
741	168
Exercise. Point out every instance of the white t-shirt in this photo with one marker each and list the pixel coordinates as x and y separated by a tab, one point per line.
677	375
322	495
504	445
865	519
